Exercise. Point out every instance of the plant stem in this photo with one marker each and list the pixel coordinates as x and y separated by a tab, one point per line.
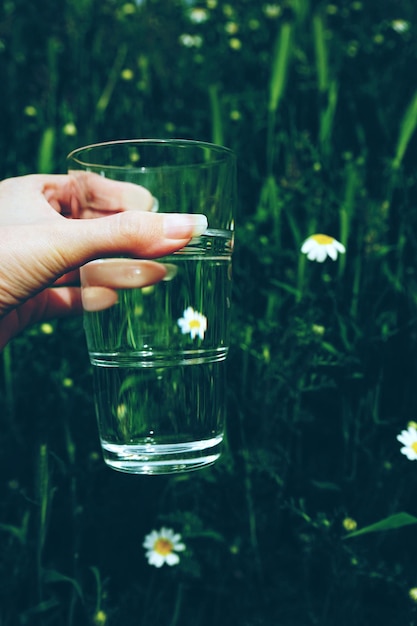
216	116
9	391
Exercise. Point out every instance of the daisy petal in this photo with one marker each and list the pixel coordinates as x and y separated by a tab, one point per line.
332	252
339	246
321	255
172	559
155	559
307	246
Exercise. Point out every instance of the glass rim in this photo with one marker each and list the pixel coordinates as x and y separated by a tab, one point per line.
73	156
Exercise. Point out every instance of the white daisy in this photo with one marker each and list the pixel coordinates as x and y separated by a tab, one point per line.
272	10
318	247
161	547
409	440
198	15
193	322
191	41
400	26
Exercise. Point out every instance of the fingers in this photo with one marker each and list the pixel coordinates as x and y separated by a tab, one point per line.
122	273
71	278
135	233
61	302
101	278
98	298
85	194
49	304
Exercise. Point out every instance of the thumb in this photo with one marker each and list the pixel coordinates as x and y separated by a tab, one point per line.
135	233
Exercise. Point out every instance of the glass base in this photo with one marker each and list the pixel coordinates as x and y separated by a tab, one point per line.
154	458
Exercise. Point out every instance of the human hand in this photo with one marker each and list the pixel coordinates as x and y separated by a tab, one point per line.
41	249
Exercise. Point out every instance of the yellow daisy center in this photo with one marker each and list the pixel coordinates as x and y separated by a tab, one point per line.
414	446
323	240
195	324
163	546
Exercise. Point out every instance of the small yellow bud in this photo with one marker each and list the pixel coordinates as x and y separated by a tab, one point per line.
30	111
272	11
128	8
318	330
266	354
232	28
69	129
235	115
127	74
100	618
349	524
121	411
47	329
235	43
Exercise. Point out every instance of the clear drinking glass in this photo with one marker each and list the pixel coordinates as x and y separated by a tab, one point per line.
159	351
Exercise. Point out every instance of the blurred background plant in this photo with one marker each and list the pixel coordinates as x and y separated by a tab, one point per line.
319	101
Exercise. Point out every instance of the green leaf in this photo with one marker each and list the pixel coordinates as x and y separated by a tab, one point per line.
389	523
52	576
408	126
42	607
19	532
292	290
280	65
330	348
46	151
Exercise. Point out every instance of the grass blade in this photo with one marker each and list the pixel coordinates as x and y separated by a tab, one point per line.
280	65
389	523
407	129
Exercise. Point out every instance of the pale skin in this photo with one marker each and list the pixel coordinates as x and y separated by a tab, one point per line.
49	228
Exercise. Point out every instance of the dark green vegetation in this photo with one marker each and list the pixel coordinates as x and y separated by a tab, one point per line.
319	101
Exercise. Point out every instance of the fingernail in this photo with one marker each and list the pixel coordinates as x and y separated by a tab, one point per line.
155	205
122	273
181	226
98	298
171	271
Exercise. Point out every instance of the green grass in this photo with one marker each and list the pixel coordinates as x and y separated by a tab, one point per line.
318	101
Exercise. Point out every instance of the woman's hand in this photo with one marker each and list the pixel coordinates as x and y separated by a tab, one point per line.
41	249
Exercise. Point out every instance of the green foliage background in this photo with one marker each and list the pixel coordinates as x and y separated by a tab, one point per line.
319	101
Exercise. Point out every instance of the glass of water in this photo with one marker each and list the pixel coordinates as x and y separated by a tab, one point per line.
158	352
